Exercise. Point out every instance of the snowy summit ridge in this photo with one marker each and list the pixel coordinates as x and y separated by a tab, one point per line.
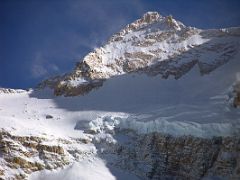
154	45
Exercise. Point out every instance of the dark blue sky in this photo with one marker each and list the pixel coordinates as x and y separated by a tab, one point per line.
41	38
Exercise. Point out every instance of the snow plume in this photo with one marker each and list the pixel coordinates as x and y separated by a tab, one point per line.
41	67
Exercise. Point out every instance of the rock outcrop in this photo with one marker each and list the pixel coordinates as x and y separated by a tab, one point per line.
10	91
22	155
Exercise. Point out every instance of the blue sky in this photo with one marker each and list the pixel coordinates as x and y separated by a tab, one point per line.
42	38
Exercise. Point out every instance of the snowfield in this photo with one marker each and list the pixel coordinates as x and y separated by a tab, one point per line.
85	170
193	105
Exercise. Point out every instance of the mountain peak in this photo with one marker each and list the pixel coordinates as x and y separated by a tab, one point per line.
154	45
149	17
155	17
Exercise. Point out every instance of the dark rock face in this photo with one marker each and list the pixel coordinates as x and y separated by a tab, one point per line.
79	90
236	91
48	116
236	102
157	156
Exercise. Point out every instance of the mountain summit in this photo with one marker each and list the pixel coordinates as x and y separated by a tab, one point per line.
154	45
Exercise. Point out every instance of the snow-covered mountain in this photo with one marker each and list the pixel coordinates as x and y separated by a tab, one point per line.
154	45
159	100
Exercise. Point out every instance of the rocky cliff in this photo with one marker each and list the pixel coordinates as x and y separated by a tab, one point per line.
159	156
23	155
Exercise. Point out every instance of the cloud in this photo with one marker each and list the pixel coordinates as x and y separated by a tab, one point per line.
38	71
41	66
85	25
37	68
102	19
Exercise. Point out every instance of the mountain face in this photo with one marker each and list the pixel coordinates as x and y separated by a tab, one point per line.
159	100
154	45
